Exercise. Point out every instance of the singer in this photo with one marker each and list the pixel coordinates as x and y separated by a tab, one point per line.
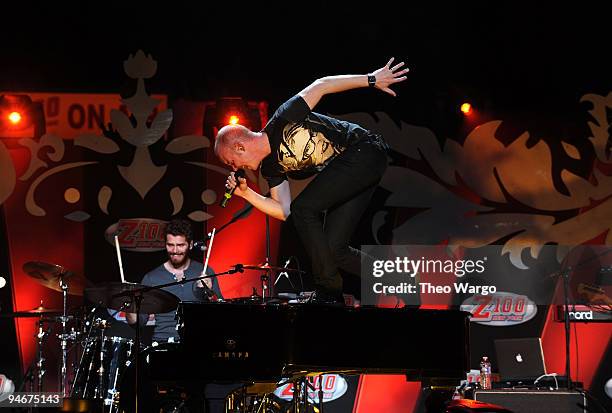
179	241
349	160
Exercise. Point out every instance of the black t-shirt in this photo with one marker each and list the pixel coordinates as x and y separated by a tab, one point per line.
302	140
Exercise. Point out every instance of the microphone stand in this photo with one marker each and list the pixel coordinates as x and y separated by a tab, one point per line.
565	274
138	291
264	276
237	216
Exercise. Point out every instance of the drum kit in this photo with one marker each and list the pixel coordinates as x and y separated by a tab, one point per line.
99	359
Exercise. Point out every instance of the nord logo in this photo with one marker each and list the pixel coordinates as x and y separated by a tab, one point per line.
581	315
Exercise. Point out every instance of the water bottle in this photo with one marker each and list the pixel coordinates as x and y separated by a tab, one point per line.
485	373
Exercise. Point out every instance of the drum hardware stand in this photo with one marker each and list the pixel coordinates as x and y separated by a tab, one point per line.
264	404
321	393
63	338
264	286
100	392
300	394
91	325
138	297
40	360
236	402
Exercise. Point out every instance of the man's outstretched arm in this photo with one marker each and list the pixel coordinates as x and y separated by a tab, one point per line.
384	77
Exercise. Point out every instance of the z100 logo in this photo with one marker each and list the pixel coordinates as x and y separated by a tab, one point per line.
334	387
138	234
500	309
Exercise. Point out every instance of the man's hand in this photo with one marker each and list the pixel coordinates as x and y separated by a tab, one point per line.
242	185
205	282
388	75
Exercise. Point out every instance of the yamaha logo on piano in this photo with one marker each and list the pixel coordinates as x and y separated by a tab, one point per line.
230	355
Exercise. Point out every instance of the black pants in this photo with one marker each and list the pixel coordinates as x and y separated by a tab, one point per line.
343	189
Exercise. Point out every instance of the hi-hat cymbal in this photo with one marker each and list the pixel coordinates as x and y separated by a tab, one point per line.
120	296
50	275
35	312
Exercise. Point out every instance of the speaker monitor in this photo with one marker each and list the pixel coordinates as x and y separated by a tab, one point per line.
535	401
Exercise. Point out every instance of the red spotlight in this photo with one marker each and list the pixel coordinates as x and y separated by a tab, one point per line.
466	108
14	117
20	117
233	111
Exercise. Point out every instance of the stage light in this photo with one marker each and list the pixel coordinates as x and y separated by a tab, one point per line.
14	117
20	117
466	108
234	111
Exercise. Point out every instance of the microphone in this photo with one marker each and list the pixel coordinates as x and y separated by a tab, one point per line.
229	192
237	268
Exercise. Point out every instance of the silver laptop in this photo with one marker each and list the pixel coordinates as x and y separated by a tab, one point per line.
520	358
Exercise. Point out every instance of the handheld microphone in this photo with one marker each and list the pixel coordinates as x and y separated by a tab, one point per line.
229	192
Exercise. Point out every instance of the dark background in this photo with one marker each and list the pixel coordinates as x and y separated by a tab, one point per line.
511	57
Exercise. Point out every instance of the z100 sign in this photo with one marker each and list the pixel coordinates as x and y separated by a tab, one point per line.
500	309
334	386
138	234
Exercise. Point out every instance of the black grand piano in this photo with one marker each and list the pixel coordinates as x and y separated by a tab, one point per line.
240	344
255	342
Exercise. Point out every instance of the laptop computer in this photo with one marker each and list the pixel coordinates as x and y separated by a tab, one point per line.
520	359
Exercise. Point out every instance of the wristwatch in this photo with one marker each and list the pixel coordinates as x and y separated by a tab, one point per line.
371	80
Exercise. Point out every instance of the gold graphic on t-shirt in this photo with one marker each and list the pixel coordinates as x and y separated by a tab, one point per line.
302	148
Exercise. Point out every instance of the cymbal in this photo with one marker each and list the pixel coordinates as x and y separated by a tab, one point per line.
49	275
266	267
119	296
35	312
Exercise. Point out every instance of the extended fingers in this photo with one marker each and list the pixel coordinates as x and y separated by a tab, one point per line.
398	79
397	66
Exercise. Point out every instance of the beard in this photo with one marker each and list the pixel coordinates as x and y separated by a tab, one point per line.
177	260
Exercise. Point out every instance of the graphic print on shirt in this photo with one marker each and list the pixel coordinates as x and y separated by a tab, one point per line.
302	148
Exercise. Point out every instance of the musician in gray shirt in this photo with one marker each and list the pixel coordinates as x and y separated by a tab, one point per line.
179	240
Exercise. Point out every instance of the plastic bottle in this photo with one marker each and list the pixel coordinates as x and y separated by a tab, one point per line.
485	373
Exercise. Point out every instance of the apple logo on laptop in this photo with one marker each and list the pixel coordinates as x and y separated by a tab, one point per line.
519	358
